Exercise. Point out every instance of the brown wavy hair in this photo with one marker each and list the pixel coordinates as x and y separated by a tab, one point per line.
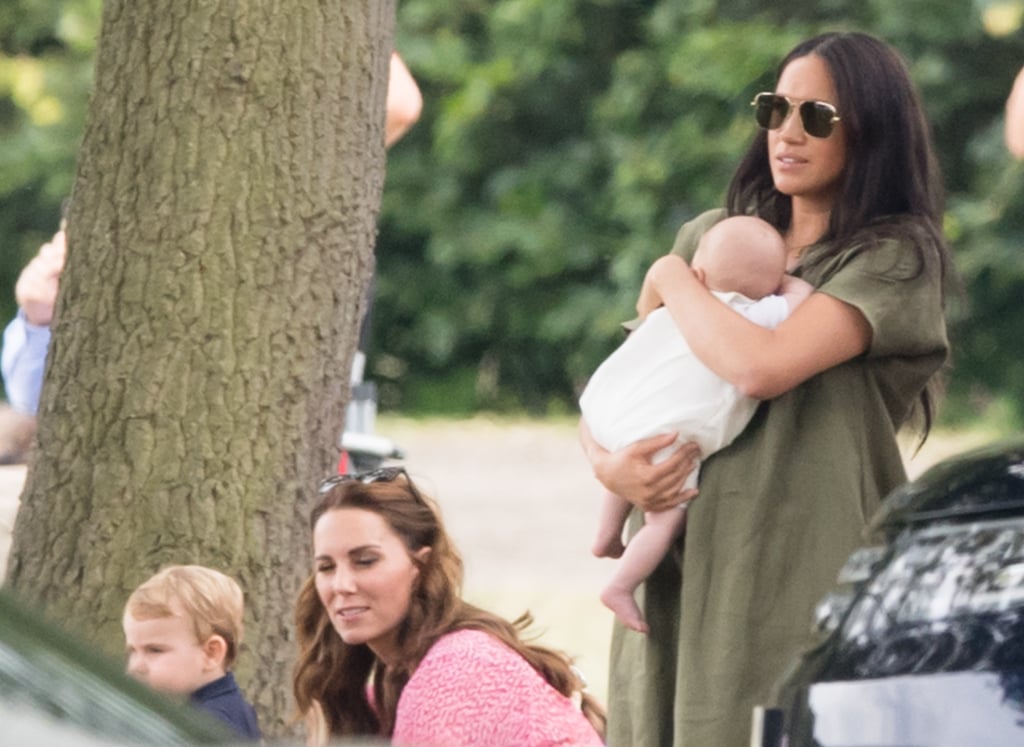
331	678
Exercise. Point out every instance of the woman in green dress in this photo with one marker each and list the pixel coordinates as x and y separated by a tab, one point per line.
844	167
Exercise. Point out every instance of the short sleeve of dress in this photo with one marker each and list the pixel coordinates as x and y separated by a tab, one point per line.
900	297
690	233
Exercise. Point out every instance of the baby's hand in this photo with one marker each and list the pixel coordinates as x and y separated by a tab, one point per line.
795	290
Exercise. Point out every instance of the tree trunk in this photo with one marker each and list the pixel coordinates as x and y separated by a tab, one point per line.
220	242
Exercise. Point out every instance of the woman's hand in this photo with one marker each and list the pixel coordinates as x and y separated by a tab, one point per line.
628	472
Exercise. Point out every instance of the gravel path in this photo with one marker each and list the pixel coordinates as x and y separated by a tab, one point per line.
519	498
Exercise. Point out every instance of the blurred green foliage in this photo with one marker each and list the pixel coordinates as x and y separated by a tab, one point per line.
560	147
46	49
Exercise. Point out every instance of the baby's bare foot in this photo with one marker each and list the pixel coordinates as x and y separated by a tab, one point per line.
621	602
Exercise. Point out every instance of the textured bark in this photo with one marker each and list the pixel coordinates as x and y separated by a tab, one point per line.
220	241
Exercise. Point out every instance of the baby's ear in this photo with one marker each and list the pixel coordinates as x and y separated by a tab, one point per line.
215	649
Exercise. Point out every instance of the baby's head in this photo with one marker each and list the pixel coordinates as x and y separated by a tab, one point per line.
743	254
182	628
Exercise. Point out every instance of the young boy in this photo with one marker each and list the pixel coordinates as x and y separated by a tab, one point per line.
654	384
182	630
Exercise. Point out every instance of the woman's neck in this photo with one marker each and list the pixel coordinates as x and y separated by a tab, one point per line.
808	225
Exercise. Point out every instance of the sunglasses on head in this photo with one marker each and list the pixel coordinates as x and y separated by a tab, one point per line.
817	117
383	474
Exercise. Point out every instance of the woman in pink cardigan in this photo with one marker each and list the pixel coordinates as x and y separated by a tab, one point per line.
388	647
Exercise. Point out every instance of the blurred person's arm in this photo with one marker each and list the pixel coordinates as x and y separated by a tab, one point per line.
27	337
404	101
1014	132
24	361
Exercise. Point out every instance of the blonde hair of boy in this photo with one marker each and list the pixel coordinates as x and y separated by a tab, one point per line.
212	600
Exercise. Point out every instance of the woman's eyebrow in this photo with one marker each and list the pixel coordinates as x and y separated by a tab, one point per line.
352	551
362	548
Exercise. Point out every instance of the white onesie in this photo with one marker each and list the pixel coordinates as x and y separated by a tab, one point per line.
653	383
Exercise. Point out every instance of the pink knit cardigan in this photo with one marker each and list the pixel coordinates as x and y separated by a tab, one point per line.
473	690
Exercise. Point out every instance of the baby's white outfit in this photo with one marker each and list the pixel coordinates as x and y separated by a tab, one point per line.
653	383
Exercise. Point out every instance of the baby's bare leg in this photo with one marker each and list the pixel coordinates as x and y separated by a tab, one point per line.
611	520
642	555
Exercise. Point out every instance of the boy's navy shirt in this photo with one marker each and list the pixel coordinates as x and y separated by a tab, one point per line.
223	699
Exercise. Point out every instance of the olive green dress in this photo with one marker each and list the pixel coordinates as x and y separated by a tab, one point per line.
778	513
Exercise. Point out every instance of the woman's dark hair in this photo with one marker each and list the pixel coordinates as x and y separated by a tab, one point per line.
333	676
891	185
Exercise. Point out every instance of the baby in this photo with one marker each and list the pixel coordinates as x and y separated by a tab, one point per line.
182	630
654	384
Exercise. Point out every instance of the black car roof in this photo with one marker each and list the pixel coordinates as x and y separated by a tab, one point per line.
984	482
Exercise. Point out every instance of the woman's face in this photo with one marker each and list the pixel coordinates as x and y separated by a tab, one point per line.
807	168
364	577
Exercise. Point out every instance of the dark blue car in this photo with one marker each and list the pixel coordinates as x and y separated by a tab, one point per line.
923	638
